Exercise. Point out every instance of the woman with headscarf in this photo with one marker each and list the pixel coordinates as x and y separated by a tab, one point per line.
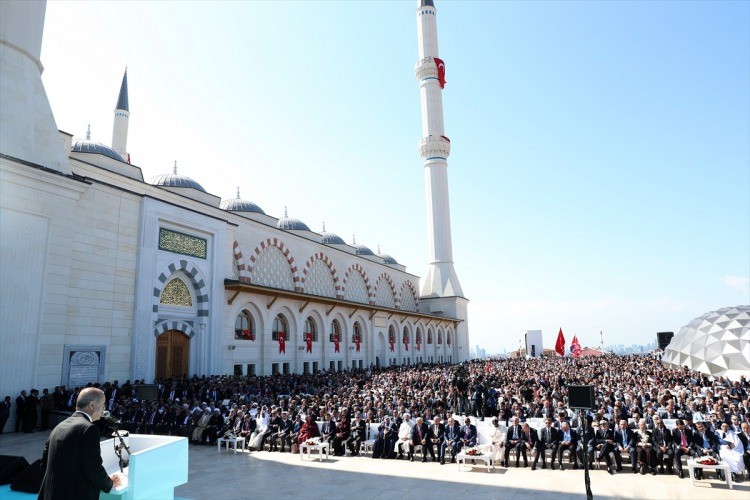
308	430
262	423
730	450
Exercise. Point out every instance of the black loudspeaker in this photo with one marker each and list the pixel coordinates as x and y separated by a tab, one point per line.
11	467
663	339
581	397
30	480
147	392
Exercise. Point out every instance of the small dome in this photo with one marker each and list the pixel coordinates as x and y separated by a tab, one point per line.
239	205
362	250
387	258
176	180
292	224
89	146
331	239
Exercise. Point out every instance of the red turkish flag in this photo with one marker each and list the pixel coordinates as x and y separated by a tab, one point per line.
336	343
308	341
356	342
248	335
560	344
406	343
390	341
441	72
575	347
419	344
282	343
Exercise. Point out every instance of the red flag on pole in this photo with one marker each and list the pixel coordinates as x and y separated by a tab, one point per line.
282	343
308	341
441	72
575	347
336	343
560	344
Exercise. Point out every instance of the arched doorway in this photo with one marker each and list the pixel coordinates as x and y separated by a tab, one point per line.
172	354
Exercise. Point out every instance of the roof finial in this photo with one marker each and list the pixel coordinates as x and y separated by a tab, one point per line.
88	132
285	215
324	226
378	247
354	240
175	167
238	192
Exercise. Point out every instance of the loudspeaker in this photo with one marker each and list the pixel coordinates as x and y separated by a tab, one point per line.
11	467
147	392
663	339
30	480
581	397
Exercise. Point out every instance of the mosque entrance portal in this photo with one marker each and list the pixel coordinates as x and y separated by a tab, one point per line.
172	354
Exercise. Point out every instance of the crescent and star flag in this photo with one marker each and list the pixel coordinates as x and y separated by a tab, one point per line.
560	344
282	343
575	347
336	343
419	344
248	335
406	343
441	72
356	342
308	341
390	341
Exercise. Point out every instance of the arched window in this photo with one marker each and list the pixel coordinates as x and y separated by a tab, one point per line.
418	340
440	338
391	335
280	327
405	338
176	293
429	337
335	331
357	333
244	326
310	329
448	338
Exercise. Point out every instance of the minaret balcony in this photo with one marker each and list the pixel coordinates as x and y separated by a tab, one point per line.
434	145
426	68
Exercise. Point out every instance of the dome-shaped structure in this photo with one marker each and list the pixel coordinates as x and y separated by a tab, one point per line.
716	344
291	224
387	258
331	239
176	180
362	250
240	205
89	146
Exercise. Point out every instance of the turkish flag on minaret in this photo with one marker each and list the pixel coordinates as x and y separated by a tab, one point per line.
560	344
441	72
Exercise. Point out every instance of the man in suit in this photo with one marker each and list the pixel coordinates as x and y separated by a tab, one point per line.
420	436
72	460
4	412
531	442
452	439
437	436
605	443
569	441
682	437
20	407
514	440
548	440
705	444
624	443
663	445
468	434
745	440
358	434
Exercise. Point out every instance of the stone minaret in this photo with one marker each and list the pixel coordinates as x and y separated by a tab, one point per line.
27	127
441	279
122	116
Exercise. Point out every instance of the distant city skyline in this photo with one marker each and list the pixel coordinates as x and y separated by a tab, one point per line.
598	174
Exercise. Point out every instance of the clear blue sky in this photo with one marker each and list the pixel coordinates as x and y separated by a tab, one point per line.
600	170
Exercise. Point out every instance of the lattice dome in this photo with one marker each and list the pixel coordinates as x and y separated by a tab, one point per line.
716	344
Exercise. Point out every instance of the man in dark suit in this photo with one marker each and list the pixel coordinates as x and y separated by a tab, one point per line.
420	436
548	440
663	445
605	443
468	434
569	441
625	445
514	440
72	460
682	437
745	440
452	439
20	407
705	444
358	434
531	442
4	412
437	435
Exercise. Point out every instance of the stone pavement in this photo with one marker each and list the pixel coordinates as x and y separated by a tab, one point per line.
223	475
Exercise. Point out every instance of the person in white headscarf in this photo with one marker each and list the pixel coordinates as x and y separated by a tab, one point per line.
262	421
730	450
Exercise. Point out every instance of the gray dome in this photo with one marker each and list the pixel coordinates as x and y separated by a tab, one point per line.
387	258
89	146
331	239
239	205
291	224
176	180
362	250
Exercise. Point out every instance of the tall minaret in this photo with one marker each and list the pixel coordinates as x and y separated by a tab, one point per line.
441	279
122	116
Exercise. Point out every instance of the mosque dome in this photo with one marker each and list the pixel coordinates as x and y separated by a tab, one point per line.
89	146
387	258
362	250
291	224
240	205
176	180
331	239
716	343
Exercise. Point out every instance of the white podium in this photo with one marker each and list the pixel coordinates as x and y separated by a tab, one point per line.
157	465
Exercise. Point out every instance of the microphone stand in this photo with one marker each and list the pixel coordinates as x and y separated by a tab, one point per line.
585	454
119	447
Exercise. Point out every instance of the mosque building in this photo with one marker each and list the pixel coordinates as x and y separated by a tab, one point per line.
107	275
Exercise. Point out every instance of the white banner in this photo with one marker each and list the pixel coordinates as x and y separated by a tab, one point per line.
534	344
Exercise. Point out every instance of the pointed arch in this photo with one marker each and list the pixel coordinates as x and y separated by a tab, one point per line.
356	268
239	263
385	277
274	242
166	325
327	261
405	303
193	275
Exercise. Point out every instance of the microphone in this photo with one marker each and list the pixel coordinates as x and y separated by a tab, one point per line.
111	418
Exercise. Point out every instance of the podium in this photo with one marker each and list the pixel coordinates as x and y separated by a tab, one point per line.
157	465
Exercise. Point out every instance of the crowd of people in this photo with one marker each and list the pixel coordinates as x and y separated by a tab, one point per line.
425	408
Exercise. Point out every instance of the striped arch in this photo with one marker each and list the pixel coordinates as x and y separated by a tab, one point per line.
170	324
327	261
240	260
358	268
387	278
275	242
199	284
405	285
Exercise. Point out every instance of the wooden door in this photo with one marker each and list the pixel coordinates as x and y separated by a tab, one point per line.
172	354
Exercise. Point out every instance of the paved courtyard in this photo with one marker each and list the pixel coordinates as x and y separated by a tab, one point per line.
225	475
